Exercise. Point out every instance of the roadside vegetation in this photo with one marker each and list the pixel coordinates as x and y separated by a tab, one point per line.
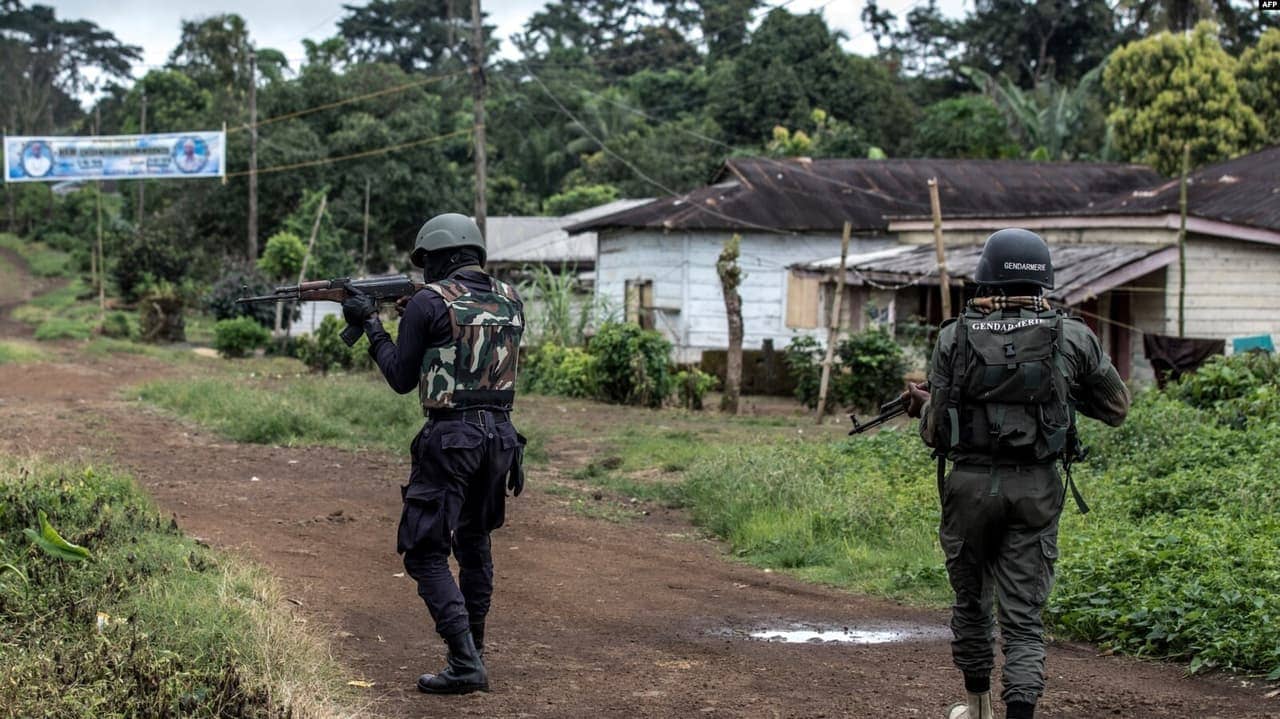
117	613
12	352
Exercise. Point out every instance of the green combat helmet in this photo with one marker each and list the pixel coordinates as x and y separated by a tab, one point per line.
1014	256
444	231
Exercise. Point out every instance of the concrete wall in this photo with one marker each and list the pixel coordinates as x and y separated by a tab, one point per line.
686	288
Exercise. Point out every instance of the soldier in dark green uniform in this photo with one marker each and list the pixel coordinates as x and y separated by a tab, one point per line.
458	346
1005	381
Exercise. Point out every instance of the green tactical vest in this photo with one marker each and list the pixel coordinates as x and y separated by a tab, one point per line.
1009	400
479	368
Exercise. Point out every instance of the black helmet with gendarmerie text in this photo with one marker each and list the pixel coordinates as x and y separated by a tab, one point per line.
1015	257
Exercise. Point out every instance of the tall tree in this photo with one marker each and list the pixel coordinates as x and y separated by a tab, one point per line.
1030	40
1259	77
414	34
1152	84
43	64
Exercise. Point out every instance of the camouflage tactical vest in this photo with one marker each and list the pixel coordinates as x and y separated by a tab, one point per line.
1009	398
479	368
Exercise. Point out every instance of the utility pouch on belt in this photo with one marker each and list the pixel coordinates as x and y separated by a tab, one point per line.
515	478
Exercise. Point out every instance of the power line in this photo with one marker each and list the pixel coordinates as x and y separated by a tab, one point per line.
357	98
355	155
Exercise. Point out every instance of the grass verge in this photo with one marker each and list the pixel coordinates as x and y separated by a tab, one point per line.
43	260
12	352
152	625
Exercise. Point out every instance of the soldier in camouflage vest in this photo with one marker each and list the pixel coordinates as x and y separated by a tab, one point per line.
458	345
1005	382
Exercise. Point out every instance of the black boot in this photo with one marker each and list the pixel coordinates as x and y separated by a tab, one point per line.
465	673
477	636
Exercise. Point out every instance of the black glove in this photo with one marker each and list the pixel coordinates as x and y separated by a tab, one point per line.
357	308
916	396
515	476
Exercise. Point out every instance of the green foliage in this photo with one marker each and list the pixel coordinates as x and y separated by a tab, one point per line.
235	282
162	305
324	350
144	259
632	364
558	370
867	370
550	312
19	352
1259	78
43	260
578	198
282	256
1151	84
966	126
692	385
822	136
239	337
1238	389
1052	121
119	325
118	621
62	328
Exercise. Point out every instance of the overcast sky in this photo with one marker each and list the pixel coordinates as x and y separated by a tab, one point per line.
282	24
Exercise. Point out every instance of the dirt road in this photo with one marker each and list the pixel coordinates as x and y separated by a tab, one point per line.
591	618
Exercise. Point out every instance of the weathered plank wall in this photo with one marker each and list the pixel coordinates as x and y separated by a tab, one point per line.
686	289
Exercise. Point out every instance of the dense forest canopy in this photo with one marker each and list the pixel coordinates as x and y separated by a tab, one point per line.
612	98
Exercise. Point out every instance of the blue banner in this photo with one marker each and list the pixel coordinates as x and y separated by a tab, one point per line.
115	157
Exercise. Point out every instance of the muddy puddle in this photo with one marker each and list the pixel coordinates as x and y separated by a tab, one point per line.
801	633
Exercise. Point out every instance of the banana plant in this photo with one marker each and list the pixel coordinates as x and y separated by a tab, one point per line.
53	544
1045	117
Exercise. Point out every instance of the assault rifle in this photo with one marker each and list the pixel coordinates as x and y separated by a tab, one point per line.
388	288
893	408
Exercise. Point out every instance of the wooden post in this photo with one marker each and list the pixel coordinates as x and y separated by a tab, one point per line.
1182	240
102	261
730	279
253	157
477	100
364	253
833	324
142	182
944	280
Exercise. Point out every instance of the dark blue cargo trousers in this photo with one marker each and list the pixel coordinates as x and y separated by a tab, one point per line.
455	497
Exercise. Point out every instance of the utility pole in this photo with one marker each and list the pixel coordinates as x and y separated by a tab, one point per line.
102	261
253	156
1182	240
477	101
142	183
364	254
944	279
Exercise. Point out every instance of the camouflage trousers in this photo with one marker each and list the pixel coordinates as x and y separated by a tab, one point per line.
1000	536
455	497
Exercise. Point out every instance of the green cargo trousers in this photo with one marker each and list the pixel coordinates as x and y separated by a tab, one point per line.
1000	535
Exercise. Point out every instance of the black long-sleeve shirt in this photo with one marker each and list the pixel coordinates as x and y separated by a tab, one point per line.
425	324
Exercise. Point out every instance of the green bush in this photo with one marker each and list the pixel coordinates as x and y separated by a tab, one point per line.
359	352
867	369
324	350
632	364
282	256
692	385
1238	389
61	328
238	279
120	325
556	370
239	337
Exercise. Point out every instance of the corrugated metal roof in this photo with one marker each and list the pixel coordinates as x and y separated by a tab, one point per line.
1080	271
521	239
1243	191
803	195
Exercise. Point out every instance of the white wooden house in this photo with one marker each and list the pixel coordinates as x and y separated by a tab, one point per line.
656	263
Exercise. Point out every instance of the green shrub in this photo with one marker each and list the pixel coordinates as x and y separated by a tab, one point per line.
324	350
234	283
632	364
692	385
867	369
1239	388
60	328
359	352
120	325
556	370
239	337
282	256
